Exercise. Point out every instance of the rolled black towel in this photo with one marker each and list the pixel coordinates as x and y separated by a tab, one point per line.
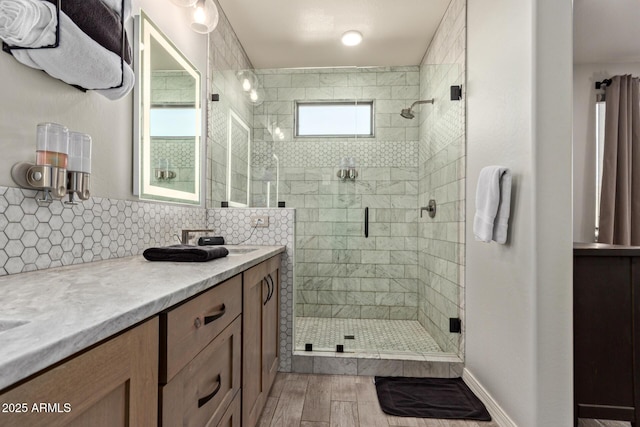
185	253
101	23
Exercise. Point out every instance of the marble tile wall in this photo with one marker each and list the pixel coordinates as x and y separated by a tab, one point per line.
172	87
442	177
226	59
340	273
391	89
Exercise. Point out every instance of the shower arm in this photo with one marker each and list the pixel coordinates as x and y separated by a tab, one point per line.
426	101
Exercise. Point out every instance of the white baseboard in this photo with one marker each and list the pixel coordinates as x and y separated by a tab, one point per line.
499	416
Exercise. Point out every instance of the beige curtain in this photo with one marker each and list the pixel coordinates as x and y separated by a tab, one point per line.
620	194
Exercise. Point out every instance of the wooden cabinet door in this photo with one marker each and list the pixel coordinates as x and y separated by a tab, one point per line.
260	345
113	384
253	391
270	323
603	346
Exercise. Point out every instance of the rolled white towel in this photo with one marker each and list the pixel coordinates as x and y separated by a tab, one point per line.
28	23
94	67
128	80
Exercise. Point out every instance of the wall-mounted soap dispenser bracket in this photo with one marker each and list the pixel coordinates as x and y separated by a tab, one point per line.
63	165
49	179
78	183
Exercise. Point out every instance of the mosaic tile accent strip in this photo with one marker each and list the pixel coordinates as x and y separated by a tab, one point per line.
181	151
370	336
36	237
302	153
234	225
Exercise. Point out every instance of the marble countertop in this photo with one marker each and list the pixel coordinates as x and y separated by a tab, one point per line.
49	315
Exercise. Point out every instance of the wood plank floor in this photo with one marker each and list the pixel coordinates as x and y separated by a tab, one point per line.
307	400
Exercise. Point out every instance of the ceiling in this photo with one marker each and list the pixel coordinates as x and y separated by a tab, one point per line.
306	33
606	31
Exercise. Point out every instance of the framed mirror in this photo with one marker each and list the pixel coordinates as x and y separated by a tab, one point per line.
239	162
168	119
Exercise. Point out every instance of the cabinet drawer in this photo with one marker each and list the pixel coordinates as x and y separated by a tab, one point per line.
201	392
231	418
191	326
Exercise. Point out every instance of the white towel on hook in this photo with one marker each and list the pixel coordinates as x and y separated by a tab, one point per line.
94	67
493	199
28	23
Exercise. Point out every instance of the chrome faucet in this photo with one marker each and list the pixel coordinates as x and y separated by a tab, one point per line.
186	235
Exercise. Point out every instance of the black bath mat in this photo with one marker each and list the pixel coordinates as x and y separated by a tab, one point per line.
445	398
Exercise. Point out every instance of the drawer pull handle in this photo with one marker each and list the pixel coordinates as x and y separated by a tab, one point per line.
203	400
215	316
268	291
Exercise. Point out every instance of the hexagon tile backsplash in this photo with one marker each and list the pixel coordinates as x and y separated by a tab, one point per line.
35	237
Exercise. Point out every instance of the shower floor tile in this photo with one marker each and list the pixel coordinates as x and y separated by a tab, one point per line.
369	335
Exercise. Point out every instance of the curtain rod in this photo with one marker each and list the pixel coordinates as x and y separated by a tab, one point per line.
603	84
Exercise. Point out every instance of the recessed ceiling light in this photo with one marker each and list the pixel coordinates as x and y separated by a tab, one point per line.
351	38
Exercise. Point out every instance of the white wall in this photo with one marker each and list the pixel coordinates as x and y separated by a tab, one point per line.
30	96
518	297
584	148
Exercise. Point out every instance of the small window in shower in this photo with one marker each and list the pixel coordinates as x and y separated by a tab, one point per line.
334	119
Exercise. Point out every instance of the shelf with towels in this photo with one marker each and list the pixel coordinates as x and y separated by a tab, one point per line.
89	51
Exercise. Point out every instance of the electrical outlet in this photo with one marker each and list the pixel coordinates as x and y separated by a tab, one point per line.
260	220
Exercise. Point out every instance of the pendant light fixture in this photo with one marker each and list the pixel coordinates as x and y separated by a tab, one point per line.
205	16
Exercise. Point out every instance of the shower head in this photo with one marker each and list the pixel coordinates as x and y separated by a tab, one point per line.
408	114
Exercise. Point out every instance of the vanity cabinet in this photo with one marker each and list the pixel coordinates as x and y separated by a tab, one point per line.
209	360
606	325
112	384
200	353
260	337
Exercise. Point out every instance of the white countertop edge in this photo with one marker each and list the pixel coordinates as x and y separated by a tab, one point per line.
41	343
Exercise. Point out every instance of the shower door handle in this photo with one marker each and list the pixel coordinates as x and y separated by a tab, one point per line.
366	222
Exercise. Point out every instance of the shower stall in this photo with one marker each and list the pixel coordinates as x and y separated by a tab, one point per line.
374	274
